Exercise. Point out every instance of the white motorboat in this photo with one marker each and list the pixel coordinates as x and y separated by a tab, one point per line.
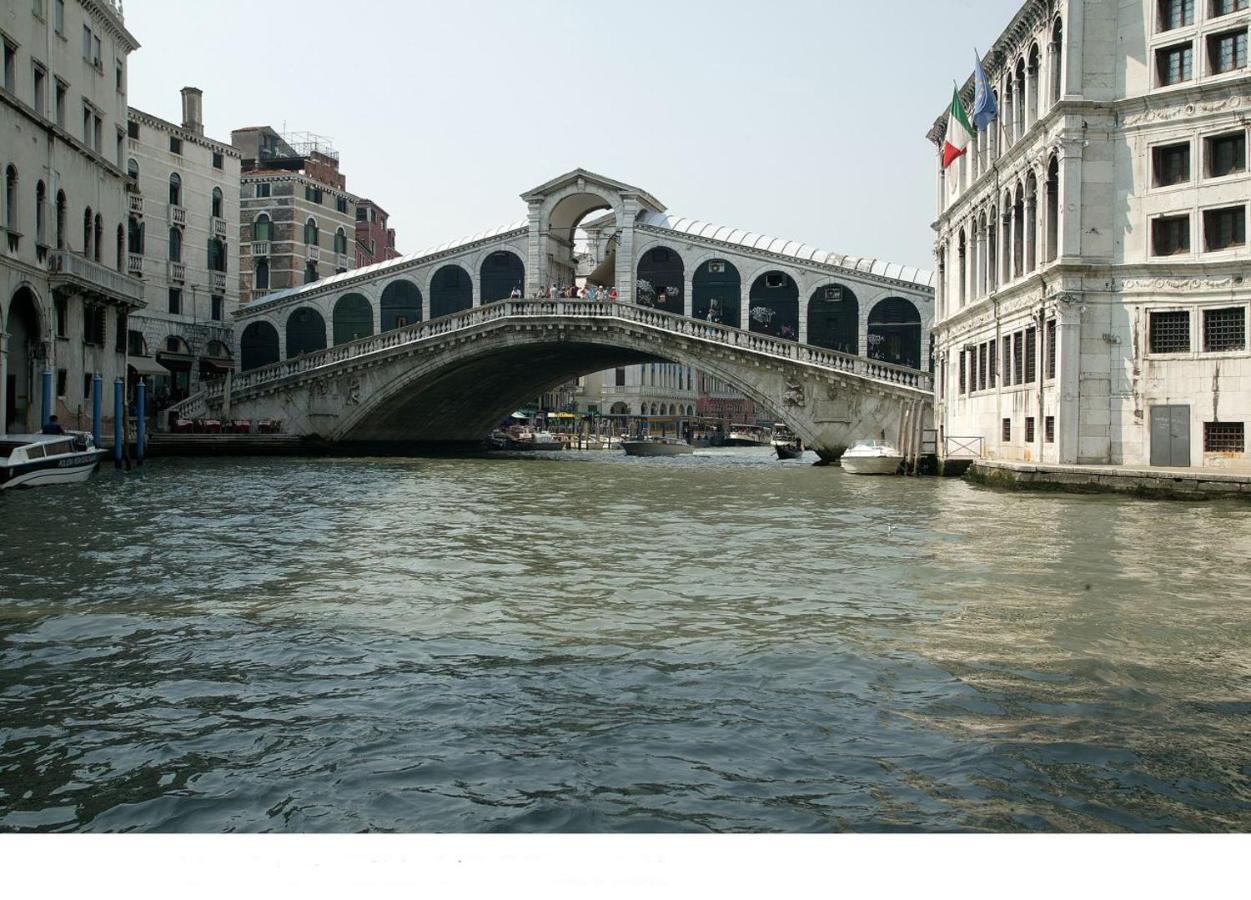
657	447
31	460
872	458
747	436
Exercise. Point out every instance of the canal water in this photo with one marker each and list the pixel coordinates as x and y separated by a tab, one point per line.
596	643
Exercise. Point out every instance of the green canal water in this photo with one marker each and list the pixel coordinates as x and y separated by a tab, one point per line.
596	643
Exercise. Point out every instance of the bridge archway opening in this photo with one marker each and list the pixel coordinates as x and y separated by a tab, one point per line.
774	306
571	247
502	272
23	324
451	291
401	304
717	293
353	319
895	332
306	332
661	280
834	319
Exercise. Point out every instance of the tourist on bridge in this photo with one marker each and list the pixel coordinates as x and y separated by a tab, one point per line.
516	294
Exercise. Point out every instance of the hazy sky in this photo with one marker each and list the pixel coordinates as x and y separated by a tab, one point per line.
795	118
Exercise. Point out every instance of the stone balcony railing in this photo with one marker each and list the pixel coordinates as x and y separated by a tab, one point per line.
217	281
177	271
177	216
341	261
134	263
73	270
313	253
135	203
219	227
260	248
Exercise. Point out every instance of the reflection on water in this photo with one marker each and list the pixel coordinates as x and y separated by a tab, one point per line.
590	642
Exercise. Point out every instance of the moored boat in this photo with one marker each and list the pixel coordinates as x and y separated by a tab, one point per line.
534	442
657	447
872	458
33	460
747	436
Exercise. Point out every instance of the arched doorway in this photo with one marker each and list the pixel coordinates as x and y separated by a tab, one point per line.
774	306
717	293
620	409
502	272
258	346
306	332
661	280
401	304
23	328
451	291
895	333
353	319
569	247
834	319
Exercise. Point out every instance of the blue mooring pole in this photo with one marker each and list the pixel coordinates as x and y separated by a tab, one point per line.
47	396
140	424
97	385
119	422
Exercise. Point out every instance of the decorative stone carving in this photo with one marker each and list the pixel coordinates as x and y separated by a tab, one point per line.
794	396
352	394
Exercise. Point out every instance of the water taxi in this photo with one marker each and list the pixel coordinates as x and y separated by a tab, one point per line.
872	458
657	446
747	436
33	460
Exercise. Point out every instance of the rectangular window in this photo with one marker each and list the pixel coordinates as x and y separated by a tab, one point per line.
87	126
132	130
981	367
1171	164
62	317
37	8
620	379
1169	332
218	160
1225	228
86	43
59	16
341	205
62	377
1174	65
1018	358
1029	429
93	325
1176	14
1224	437
993	364
1227	7
1007	361
1170	236
964	371
40	92
61	91
1049	429
86	386
1224	330
175	145
1227	52
262	190
1031	355
216	309
775	280
97	133
10	68
1049	371
175	301
1226	154
97	59
1007	431
121	78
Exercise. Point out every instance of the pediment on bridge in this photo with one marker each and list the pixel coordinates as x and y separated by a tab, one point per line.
580	178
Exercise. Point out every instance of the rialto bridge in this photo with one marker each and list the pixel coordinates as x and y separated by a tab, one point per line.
431	347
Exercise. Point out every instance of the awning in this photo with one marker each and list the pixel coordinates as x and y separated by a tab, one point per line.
217	365
174	362
146	365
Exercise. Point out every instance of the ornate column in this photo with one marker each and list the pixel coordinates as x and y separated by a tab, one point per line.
688	294
625	251
1030	254
536	254
1068	377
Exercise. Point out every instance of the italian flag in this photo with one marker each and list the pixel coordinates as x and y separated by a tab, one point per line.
959	131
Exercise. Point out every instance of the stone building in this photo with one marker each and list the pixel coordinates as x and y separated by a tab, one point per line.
1091	247
375	240
297	220
649	389
65	296
183	241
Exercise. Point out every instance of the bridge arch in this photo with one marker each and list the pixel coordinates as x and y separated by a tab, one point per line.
773	305
306	332
353	319
451	291
834	318
895	332
661	279
717	292
500	273
258	346
401	304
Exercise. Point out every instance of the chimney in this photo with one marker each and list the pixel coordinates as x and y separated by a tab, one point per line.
193	110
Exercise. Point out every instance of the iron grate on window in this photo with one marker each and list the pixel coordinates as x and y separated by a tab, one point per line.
1224	437
1049	429
1007	430
1224	330
1170	332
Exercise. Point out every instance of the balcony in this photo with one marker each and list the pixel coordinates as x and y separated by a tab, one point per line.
177	216
218	282
135	202
76	273
219	227
134	263
313	254
341	261
260	248
177	271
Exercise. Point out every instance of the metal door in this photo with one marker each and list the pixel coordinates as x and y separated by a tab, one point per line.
1170	436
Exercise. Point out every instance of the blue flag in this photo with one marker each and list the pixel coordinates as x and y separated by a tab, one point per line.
984	109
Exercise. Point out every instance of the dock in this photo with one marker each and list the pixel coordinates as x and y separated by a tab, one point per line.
1139	481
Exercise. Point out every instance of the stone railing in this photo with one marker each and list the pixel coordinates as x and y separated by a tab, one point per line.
705	332
64	266
217	282
134	263
177	215
134	203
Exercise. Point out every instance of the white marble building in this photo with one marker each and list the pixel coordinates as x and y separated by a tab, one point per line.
1091	248
183	241
64	293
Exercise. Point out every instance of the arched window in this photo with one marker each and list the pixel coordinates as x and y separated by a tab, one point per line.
834	319
132	171
10	198
134	235
1057	61
774	309
962	249
310	272
401	304
216	255
340	241
992	249
717	293
306	332
175	190
261	282
87	223
501	273
217	203
1031	224
451	291
121	249
310	232
352	319
895	332
61	205
99	235
1018	103
261	228
258	346
1032	93
175	245
41	213
661	279
1053	210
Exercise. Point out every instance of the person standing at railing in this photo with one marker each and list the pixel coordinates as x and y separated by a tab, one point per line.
516	294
